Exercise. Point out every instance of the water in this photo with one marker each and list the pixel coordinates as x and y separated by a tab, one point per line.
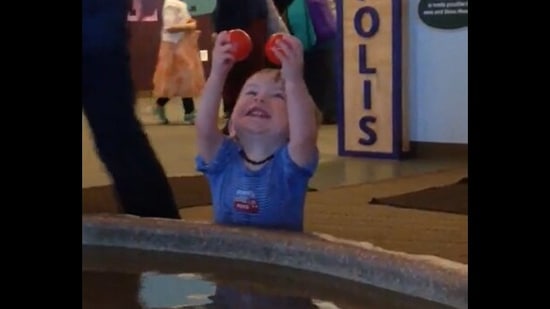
127	279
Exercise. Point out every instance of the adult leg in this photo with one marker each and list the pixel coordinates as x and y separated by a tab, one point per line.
320	81
108	102
330	93
189	110
159	110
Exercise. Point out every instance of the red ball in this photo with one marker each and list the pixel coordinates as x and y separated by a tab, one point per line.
269	45
242	44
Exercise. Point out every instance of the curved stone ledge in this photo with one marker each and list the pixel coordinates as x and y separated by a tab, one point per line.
428	278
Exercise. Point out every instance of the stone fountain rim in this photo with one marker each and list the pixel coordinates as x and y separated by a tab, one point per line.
426	277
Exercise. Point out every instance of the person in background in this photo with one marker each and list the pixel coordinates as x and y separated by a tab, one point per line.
108	102
319	71
179	71
250	16
320	77
281	5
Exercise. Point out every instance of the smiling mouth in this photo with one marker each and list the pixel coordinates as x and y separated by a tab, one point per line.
258	112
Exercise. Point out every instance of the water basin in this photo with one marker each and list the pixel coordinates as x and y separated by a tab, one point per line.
154	263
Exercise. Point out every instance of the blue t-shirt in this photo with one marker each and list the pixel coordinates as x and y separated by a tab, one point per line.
272	197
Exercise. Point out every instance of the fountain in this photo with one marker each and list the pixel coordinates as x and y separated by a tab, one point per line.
301	265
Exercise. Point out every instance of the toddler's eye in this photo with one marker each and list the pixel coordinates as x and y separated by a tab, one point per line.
251	92
280	96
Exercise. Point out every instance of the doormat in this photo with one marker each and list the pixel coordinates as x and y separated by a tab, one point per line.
188	191
452	198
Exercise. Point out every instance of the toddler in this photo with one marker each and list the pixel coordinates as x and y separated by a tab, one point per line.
258	175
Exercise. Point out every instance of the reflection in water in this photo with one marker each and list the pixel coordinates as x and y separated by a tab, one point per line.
109	290
168	291
114	278
195	291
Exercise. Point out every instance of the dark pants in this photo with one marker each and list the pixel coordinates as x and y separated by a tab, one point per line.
188	104
320	78
108	103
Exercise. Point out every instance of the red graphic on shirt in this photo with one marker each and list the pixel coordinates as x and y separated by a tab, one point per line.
248	206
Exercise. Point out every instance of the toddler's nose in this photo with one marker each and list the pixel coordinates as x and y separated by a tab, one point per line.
259	98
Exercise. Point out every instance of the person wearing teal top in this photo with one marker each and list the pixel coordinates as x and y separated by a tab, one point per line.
319	70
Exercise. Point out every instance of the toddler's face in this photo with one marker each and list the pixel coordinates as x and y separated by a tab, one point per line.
261	106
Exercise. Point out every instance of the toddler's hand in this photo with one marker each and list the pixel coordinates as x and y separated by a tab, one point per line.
290	52
222	56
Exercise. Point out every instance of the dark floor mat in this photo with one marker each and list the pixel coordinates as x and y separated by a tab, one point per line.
452	198
188	191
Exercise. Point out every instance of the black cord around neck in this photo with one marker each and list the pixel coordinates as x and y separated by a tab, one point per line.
247	159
